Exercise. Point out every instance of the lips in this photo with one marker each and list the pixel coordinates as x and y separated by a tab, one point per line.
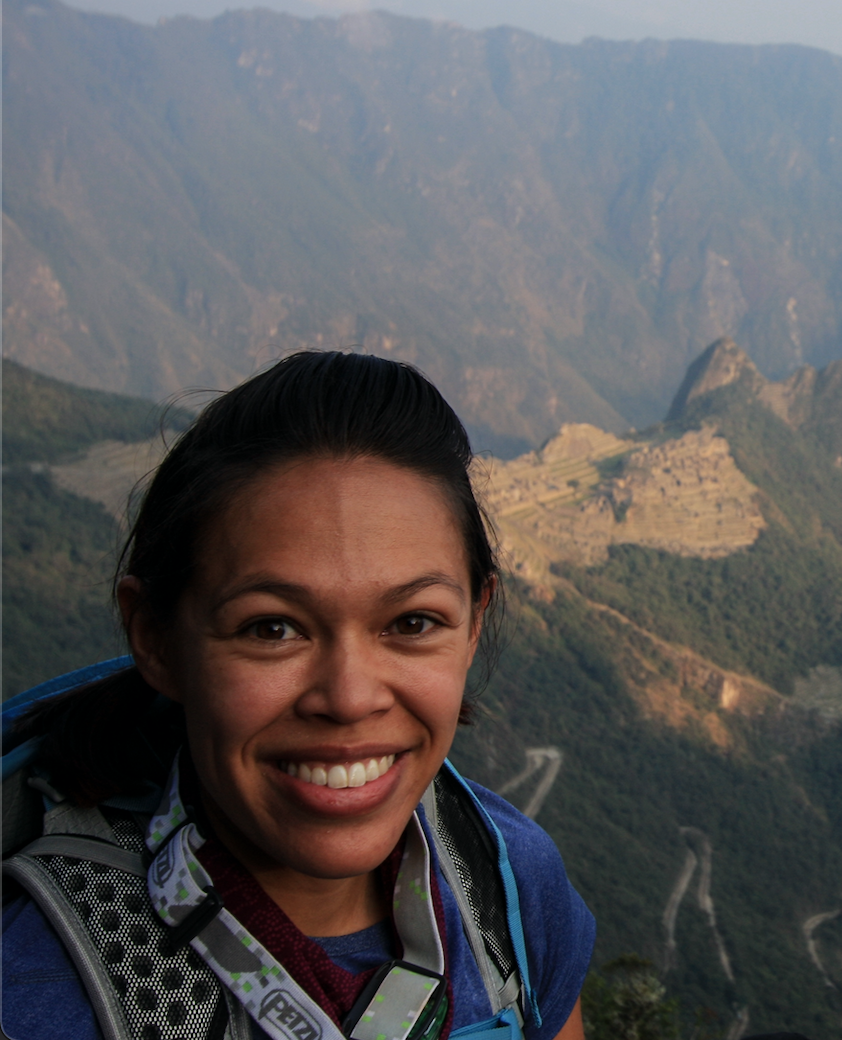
340	775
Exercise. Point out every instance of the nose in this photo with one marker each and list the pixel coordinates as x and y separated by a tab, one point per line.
348	682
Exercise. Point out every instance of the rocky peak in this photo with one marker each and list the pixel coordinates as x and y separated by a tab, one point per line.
720	365
806	399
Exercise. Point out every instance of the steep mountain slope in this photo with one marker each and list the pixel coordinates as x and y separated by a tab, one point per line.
693	690
45	419
659	759
59	551
551	231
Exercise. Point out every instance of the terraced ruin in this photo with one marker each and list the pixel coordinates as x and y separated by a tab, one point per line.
586	490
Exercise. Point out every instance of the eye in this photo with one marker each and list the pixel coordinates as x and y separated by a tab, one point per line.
413	625
272	630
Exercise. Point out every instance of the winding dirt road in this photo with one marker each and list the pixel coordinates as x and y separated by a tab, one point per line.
809	926
548	757
700	854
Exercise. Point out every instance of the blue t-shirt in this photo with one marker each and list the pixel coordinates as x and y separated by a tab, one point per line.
43	998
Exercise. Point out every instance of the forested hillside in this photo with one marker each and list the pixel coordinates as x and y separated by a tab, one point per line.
696	701
677	711
59	549
45	420
553	232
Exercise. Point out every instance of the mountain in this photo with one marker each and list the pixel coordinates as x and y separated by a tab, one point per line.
59	548
668	703
45	419
720	529
552	232
808	400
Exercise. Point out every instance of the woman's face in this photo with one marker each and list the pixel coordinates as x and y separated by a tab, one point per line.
320	655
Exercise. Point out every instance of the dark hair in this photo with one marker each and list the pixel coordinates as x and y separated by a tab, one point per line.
97	742
309	405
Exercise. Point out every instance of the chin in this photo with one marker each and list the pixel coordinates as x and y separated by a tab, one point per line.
334	855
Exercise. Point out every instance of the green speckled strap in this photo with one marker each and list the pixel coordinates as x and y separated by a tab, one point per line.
177	883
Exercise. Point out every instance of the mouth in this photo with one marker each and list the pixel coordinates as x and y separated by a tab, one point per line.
338	775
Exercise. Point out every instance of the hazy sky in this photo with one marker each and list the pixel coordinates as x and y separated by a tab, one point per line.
817	23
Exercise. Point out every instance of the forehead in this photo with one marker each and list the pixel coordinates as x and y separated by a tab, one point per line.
336	520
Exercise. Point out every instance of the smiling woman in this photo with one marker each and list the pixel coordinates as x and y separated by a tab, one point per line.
304	590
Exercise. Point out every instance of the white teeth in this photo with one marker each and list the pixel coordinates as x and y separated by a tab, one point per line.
356	774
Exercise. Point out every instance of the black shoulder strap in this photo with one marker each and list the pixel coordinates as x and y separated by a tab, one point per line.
468	858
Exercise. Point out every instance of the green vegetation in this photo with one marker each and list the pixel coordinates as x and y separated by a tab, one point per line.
773	611
45	419
59	550
631	1004
770	806
58	554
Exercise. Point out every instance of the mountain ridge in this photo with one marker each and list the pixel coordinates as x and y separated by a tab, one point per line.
552	232
797	400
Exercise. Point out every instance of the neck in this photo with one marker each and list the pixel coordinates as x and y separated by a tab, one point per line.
316	906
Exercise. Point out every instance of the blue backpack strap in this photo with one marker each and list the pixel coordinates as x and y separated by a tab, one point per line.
504	1026
17	705
23	805
19	756
507	876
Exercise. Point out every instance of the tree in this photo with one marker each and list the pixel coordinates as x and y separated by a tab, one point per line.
629	1005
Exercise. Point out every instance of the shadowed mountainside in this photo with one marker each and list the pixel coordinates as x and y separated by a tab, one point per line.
552	232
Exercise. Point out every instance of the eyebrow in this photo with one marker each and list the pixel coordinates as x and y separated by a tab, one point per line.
302	594
426	581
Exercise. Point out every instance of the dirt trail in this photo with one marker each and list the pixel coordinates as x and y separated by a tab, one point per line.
671	910
739	1027
551	758
809	926
700	854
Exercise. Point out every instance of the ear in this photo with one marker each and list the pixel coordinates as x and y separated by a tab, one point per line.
146	639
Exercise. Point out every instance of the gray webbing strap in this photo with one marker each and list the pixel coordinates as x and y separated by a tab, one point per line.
179	887
89	849
502	993
239	1020
60	914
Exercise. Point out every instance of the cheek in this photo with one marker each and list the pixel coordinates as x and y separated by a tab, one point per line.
436	697
226	710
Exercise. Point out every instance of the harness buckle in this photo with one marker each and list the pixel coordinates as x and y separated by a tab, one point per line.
198	918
